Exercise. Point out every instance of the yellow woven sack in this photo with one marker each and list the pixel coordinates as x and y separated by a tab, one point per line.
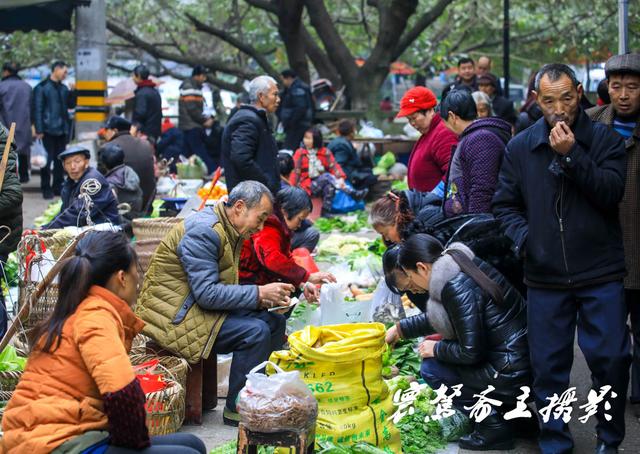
342	366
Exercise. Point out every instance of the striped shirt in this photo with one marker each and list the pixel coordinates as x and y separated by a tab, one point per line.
624	127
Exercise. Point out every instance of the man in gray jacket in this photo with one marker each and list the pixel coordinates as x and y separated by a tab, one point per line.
15	106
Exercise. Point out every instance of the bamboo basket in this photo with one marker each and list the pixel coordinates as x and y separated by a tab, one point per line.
153	228
43	307
166	408
9	380
139	345
55	240
145	250
4	397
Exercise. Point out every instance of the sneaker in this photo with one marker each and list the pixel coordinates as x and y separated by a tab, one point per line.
230	418
47	194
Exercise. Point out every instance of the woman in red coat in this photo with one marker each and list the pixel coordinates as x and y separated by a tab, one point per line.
266	257
316	170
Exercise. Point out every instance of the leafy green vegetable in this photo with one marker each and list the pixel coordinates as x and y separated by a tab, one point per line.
49	214
327	447
400	185
405	358
232	448
397	383
418	437
378	247
11	269
386	161
10	361
456	426
351	223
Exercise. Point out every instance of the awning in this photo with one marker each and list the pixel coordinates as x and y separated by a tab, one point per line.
40	15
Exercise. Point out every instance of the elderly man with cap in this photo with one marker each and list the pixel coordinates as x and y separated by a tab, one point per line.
86	195
429	159
502	107
623	116
138	154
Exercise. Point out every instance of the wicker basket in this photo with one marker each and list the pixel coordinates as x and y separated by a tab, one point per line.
145	250
153	228
55	240
165	408
43	306
9	380
4	398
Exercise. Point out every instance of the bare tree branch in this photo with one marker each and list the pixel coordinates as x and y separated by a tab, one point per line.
421	24
241	46
265	5
210	63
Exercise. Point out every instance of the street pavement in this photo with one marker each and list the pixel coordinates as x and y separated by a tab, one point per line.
214	433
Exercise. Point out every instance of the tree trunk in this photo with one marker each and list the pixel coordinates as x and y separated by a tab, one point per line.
290	29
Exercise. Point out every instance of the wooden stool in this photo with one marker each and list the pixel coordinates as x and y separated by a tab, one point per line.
302	441
202	384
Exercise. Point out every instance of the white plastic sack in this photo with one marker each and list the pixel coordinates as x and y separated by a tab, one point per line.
39	269
387	306
273	403
38	154
224	368
370	132
335	310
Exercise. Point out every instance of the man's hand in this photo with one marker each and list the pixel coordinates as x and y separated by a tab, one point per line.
426	348
392	335
39	135
311	292
208	123
561	138
321	277
275	294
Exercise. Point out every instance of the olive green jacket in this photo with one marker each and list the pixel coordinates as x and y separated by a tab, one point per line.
192	283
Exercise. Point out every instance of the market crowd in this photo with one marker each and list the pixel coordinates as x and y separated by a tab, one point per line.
517	230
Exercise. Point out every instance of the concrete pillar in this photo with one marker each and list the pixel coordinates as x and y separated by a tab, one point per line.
91	69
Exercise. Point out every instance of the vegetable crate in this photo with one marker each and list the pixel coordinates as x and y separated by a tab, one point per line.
165	405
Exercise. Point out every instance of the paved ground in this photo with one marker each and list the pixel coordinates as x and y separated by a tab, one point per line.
214	433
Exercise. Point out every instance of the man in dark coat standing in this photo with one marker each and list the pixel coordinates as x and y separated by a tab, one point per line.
138	154
51	101
558	193
466	78
623	116
296	109
147	111
15	106
249	150
10	215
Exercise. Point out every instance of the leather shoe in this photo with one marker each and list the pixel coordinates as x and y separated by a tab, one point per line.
493	433
601	448
526	428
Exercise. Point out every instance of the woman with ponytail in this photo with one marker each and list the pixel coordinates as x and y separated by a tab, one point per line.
482	321
79	393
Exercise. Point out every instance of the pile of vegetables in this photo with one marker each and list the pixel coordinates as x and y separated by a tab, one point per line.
400	185
378	247
327	447
401	359
346	224
385	163
10	272
10	361
342	246
49	214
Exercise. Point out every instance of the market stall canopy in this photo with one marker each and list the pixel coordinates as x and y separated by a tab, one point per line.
40	15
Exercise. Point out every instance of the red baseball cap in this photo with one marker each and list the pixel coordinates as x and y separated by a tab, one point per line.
416	99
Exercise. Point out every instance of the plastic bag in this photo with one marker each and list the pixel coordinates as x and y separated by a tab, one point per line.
39	154
335	310
370	132
387	306
344	203
273	403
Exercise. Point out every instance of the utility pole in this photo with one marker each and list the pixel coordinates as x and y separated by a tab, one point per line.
623	26
505	48
91	69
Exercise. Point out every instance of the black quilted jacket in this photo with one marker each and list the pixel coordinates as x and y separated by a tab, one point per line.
491	345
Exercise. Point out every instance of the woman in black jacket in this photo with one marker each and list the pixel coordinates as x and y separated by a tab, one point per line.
482	321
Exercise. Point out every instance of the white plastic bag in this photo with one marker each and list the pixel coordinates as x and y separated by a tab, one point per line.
273	403
39	154
40	269
387	306
335	310
369	131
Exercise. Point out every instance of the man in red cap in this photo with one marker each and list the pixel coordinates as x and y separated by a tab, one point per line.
430	156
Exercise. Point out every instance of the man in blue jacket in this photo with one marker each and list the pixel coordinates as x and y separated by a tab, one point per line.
296	110
86	194
558	193
51	101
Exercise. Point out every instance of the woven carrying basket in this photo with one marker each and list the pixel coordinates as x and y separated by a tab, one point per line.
9	380
165	408
153	228
4	398
145	250
55	241
43	306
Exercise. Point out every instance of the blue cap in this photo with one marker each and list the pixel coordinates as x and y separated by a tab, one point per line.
73	150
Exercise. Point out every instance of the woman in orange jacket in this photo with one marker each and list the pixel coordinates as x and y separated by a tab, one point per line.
79	393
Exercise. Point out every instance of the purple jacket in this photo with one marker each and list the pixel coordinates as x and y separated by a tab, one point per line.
474	168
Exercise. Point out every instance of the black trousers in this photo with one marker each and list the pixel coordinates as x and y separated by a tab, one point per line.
23	166
54	146
633	306
177	443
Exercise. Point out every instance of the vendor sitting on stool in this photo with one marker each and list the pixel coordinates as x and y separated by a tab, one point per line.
191	301
86	195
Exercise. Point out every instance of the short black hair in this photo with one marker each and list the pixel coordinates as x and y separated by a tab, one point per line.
465	60
142	72
58	64
555	71
289	74
198	70
11	67
461	103
603	91
119	123
111	155
293	200
318	141
285	163
345	127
